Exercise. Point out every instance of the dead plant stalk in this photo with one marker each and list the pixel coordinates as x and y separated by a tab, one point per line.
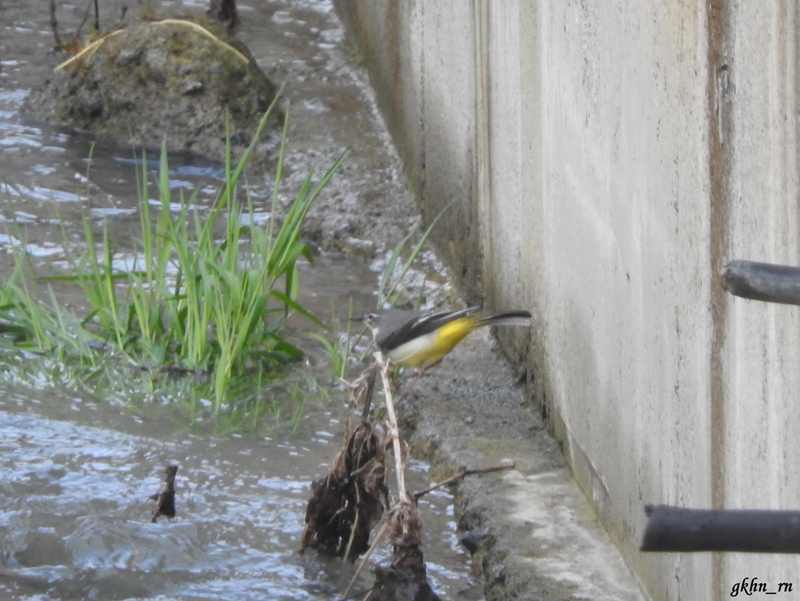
394	431
385	367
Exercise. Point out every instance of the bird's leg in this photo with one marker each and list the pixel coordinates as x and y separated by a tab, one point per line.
422	371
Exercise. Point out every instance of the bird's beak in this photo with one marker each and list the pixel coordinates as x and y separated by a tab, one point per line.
359	318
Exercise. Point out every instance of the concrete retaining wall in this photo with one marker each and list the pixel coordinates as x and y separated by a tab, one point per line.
607	160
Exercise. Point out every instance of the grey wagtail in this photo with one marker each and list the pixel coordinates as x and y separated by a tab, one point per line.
421	339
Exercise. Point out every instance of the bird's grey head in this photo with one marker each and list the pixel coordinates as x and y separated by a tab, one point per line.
371	320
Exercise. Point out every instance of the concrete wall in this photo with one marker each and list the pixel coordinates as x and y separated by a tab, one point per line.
760	360
607	160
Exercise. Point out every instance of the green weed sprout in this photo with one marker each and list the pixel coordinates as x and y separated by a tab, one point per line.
205	295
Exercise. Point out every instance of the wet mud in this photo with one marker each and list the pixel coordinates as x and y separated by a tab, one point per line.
366	208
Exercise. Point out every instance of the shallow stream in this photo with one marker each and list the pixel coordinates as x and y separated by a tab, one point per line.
77	470
74	515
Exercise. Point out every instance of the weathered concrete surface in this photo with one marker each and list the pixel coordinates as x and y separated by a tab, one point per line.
760	357
531	531
607	161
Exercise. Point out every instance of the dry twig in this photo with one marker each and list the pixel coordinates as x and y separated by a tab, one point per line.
54	23
459	476
394	432
165	500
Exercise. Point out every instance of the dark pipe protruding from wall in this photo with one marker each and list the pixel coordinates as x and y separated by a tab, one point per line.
762	281
676	529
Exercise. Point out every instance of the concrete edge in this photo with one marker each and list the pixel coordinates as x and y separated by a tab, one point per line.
531	532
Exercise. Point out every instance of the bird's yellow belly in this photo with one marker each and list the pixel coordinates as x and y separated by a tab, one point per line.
430	348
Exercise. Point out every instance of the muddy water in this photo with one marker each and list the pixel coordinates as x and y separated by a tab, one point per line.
74	512
299	43
77	469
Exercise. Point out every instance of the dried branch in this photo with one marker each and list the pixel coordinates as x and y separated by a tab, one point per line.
461	475
378	538
394	432
225	12
165	500
348	503
54	23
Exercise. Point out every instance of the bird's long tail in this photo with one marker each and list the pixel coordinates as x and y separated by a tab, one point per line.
505	318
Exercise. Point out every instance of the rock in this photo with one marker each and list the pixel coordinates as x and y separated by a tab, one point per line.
168	77
125	57
475	540
358	246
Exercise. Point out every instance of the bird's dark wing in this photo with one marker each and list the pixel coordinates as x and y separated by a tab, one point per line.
419	324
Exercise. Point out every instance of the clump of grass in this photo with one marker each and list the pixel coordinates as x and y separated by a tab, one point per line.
206	294
389	292
389	287
339	349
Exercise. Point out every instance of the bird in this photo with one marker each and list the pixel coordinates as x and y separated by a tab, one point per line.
421	339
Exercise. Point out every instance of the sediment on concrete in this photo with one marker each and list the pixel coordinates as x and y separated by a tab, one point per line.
531	532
